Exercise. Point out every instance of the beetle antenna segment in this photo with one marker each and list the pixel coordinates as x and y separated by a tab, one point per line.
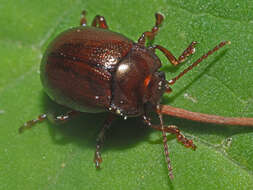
216	48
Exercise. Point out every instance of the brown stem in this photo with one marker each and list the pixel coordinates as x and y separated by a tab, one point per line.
205	118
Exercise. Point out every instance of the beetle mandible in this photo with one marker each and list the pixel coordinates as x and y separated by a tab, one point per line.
92	69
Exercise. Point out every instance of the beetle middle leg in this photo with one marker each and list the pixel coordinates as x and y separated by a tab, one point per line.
180	137
83	21
42	117
98	21
100	140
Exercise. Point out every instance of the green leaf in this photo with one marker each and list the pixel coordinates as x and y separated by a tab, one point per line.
60	157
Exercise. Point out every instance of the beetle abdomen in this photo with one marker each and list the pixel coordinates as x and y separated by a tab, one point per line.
76	69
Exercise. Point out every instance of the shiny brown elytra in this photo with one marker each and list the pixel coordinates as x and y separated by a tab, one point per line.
92	69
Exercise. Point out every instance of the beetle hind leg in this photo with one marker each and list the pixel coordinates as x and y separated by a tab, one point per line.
42	117
98	21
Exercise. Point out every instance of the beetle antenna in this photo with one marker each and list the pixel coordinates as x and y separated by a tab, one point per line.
166	151
216	48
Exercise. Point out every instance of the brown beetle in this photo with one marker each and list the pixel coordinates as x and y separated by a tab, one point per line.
92	69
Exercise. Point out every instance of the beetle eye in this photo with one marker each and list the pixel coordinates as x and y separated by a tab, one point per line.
147	80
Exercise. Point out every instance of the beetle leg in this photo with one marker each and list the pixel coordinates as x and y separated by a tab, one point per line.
151	34
210	52
100	140
180	137
64	117
169	129
173	130
42	117
173	60
166	151
29	124
83	21
100	22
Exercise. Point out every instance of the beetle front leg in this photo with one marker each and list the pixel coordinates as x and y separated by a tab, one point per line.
180	137
100	140
29	124
173	130
151	34
173	60
42	117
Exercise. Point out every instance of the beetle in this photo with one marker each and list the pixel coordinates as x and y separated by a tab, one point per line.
92	69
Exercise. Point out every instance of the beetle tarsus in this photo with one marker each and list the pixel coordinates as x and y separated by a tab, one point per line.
187	52
31	123
172	59
97	157
83	21
216	48
180	137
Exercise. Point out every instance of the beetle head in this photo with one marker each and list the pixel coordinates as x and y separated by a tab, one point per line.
137	83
